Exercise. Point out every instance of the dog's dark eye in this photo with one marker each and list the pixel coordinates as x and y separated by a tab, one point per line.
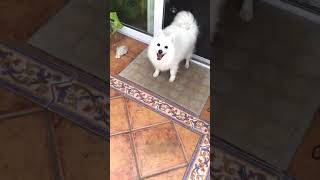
166	47
158	44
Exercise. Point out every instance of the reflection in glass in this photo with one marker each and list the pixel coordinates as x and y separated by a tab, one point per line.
137	14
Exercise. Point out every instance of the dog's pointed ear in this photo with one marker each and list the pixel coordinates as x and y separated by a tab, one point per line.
159	33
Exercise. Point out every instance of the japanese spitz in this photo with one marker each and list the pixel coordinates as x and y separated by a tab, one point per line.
173	44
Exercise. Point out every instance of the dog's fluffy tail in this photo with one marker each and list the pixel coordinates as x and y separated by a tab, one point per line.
186	20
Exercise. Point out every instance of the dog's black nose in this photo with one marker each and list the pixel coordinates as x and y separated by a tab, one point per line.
160	51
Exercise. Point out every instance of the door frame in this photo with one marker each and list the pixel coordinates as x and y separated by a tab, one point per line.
158	17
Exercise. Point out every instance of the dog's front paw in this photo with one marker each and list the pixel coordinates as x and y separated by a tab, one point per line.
186	65
156	74
172	78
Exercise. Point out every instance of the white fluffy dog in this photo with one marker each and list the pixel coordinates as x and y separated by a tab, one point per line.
173	44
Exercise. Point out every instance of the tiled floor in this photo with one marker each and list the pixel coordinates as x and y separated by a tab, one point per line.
143	143
31	136
136	47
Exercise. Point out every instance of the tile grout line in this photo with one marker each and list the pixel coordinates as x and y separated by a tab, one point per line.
150	126
119	133
181	143
54	148
131	137
166	170
164	114
141	128
135	154
125	131
21	113
116	97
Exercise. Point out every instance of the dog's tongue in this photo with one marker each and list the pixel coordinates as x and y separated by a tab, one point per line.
159	56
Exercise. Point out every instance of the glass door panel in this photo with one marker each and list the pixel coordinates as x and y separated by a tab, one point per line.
201	11
137	14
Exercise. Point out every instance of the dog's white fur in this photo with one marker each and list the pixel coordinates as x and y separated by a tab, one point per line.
177	42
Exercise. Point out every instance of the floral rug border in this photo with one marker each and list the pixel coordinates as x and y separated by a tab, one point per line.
199	166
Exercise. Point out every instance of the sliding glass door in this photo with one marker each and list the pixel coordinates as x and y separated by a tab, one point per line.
138	15
145	17
201	11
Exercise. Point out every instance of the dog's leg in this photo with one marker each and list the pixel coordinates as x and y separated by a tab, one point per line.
173	73
246	12
187	63
156	73
188	58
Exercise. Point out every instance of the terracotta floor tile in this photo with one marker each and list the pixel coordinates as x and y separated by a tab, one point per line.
24	152
171	175
135	48
118	116
157	148
303	166
142	116
83	154
205	114
117	65
10	102
115	38
122	162
189	140
114	93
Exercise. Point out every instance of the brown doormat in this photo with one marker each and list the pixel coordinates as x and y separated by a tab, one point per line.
306	162
20	19
190	90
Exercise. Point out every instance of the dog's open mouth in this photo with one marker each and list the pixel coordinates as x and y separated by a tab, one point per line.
159	56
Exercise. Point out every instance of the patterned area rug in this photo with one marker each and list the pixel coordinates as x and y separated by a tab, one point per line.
198	167
54	85
190	89
231	163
